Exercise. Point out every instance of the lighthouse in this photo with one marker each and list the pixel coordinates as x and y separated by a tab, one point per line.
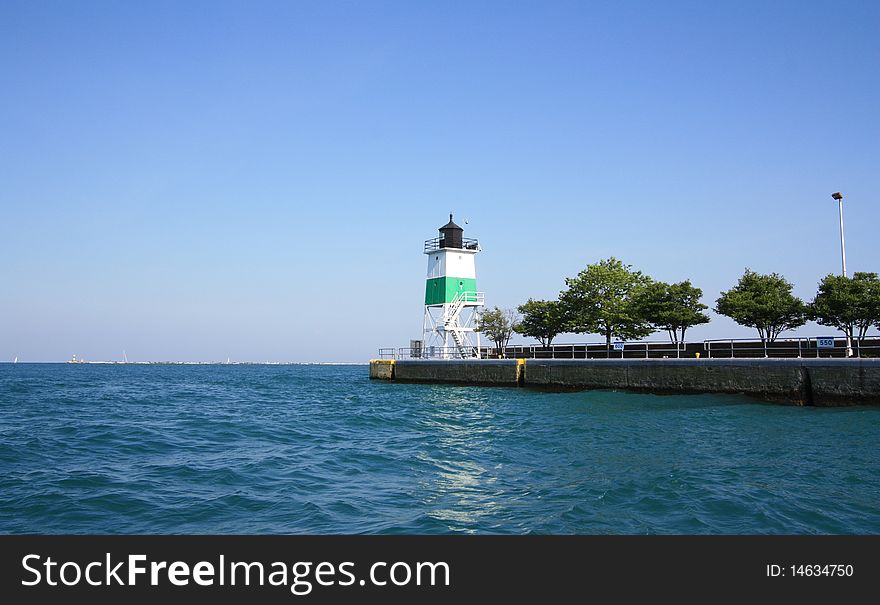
451	297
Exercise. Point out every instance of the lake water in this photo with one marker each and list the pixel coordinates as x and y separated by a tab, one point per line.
322	449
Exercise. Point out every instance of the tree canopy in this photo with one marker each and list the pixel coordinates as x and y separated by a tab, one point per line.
600	300
671	307
497	324
850	304
541	319
764	302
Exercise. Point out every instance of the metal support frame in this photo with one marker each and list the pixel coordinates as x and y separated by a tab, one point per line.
454	321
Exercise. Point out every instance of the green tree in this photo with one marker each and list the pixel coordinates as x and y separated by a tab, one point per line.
541	319
498	325
600	300
763	302
672	307
850	304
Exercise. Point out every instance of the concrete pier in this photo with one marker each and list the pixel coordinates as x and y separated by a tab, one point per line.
819	382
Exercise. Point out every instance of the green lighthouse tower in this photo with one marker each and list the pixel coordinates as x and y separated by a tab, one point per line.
451	297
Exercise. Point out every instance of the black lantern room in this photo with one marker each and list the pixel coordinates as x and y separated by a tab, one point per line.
451	235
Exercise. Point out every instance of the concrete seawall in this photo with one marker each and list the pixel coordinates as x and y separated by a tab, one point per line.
489	372
820	382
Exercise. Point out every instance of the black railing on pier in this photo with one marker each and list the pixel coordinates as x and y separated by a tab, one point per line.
593	350
829	346
438	243
627	350
730	348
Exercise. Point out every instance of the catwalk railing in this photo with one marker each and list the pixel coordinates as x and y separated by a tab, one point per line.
437	243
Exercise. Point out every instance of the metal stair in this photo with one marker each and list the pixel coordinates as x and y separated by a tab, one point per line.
450	321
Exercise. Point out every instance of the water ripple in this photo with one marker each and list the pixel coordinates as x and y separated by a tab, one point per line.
317	449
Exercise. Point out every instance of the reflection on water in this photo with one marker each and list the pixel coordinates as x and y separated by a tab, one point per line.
460	492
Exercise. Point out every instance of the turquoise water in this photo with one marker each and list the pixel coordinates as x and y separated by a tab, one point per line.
322	449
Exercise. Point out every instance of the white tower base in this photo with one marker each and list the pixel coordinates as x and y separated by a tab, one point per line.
450	330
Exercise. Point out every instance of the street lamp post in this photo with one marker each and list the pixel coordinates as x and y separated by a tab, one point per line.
839	197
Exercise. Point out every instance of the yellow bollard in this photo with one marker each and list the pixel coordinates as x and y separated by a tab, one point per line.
698	354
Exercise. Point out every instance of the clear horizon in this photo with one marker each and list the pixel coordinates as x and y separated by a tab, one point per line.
255	181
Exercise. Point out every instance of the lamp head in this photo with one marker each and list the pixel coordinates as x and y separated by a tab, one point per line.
837	195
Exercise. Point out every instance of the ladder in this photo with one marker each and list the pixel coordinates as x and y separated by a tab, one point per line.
450	323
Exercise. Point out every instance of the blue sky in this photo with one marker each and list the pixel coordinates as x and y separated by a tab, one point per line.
255	179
